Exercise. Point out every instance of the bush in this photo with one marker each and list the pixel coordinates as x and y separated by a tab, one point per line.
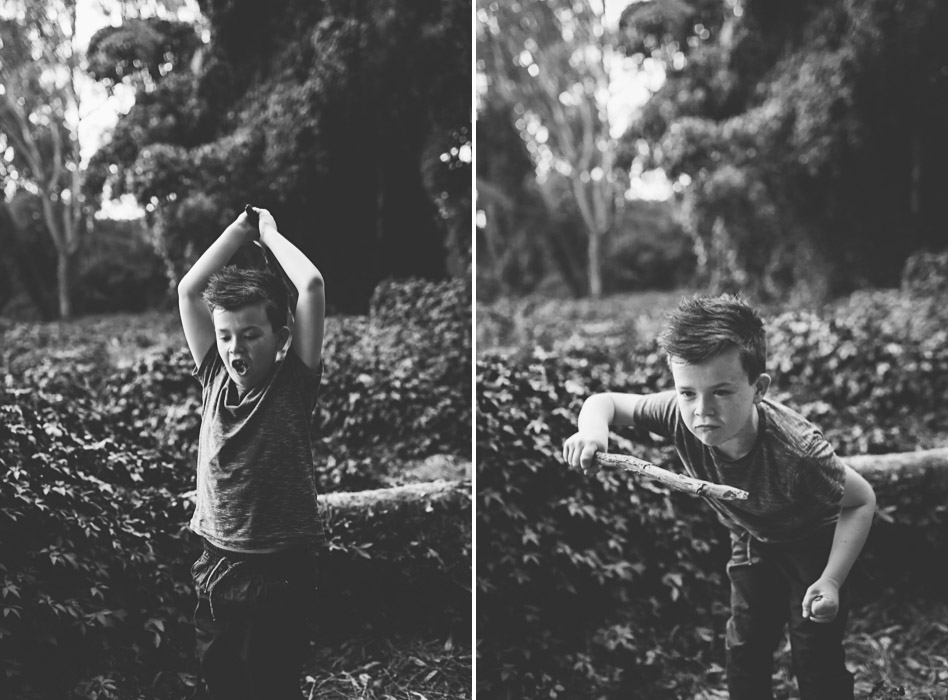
398	382
118	270
581	582
648	249
92	549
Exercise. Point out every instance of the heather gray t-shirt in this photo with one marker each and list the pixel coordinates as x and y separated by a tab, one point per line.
256	486
793	476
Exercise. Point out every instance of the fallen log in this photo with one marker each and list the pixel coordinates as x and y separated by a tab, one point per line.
899	464
394	498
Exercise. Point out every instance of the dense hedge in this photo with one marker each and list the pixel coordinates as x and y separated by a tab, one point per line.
95	468
593	587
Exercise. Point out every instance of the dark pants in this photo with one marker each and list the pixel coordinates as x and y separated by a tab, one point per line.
768	582
251	622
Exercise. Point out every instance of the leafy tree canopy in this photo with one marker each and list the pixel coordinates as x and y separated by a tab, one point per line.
806	137
352	124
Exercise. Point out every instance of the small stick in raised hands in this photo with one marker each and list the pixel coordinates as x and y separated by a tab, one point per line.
678	482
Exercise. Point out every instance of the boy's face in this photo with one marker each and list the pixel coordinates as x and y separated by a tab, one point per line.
719	403
247	343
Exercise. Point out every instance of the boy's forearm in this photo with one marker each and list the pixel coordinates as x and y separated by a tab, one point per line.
852	529
214	258
304	275
596	415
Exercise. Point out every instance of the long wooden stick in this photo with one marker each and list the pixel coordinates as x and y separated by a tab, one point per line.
678	482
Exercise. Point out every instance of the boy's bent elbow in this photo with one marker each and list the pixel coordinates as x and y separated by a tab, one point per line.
315	283
187	289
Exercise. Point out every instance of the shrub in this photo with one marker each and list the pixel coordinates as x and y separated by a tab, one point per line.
91	545
580	581
118	270
398	382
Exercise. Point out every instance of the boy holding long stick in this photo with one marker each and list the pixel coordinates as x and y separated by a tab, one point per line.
797	536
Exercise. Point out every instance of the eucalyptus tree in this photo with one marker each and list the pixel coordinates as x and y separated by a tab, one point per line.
553	63
40	64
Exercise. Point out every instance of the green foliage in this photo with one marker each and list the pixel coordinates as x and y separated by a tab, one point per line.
30	260
118	270
150	46
579	577
806	148
601	586
97	449
398	381
647	250
93	552
287	109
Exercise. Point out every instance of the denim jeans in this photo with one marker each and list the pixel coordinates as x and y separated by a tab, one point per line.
251	622
768	582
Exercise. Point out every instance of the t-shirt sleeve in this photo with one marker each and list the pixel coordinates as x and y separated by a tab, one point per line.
657	413
821	476
210	365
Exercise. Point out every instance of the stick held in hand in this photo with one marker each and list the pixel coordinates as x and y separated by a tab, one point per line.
252	216
678	482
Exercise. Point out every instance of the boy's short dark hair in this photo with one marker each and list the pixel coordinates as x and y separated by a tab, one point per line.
702	328
234	287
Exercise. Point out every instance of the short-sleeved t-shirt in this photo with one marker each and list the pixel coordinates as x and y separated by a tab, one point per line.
256	486
793	476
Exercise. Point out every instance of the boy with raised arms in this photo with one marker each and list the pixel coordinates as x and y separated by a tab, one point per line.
256	509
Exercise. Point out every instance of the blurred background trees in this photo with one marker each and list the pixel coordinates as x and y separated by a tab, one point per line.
39	123
350	122
802	141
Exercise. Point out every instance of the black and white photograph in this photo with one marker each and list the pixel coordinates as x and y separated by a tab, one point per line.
236	349
711	341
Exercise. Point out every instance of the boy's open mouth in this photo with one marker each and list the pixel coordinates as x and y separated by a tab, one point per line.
240	367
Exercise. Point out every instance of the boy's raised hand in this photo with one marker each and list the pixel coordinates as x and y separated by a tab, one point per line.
266	220
580	448
247	227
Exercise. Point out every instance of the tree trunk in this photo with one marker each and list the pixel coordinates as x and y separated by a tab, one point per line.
595	264
64	280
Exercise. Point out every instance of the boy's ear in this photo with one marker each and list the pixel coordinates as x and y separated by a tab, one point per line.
283	334
760	387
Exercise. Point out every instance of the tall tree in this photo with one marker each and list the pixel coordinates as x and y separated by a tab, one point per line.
39	121
552	62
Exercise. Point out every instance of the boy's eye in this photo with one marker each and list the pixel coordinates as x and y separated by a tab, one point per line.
723	392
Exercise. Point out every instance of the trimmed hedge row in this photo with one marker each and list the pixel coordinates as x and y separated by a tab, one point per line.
593	587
